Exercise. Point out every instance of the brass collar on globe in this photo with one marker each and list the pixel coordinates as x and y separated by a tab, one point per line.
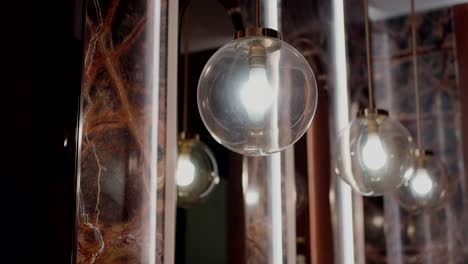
424	152
185	142
189	136
365	112
422	155
269	38
258	32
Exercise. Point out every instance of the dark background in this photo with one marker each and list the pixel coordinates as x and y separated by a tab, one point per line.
57	78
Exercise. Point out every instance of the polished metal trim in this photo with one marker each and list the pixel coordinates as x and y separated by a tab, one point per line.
258	32
424	152
366	112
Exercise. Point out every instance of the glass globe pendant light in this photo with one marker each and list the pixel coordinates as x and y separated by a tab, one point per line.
197	171
373	152
427	186
257	94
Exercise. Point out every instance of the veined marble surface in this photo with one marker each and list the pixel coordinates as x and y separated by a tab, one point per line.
121	170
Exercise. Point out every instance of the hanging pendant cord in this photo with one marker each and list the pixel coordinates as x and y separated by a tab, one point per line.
369	59
257	13
186	71
416	77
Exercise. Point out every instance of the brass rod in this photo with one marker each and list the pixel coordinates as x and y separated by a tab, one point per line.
369	58
416	77
186	70
257	13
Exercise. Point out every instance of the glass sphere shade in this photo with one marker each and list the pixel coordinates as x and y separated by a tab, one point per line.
196	174
372	154
427	188
257	107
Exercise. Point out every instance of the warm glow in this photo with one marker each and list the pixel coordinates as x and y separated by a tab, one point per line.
421	183
251	197
185	171
373	153
257	94
378	220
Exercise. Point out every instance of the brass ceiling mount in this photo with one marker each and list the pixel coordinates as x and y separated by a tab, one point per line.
366	112
258	32
269	38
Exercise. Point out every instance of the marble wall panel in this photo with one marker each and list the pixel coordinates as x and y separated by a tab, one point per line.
121	183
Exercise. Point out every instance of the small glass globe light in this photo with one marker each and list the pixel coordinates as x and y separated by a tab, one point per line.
427	187
373	153
197	172
257	94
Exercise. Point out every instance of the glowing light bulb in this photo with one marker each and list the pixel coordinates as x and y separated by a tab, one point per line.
252	197
257	94
185	171
373	153
421	183
378	220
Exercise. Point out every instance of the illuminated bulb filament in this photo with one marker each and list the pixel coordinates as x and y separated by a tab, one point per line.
251	197
378	221
257	94
373	153
421	183
185	171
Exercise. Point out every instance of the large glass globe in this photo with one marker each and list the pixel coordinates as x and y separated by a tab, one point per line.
257	95
373	153
428	186
197	172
